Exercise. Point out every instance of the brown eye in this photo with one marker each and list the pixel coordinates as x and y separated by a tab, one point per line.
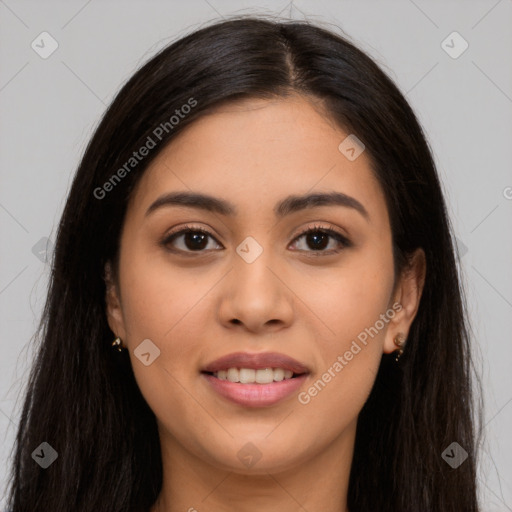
319	239
190	240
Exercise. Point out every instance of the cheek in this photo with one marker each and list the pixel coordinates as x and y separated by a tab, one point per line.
158	297
333	399
168	306
352	303
349	298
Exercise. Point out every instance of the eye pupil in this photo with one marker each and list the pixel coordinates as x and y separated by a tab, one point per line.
195	241
317	240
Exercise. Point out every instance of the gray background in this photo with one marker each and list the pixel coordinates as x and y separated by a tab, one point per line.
49	108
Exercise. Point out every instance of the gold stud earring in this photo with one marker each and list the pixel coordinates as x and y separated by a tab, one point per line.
400	343
117	343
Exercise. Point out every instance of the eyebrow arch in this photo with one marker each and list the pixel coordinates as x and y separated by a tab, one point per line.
290	204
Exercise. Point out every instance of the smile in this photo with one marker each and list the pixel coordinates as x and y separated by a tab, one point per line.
255	379
252	376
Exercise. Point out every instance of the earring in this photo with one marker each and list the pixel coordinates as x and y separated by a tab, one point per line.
117	343
400	343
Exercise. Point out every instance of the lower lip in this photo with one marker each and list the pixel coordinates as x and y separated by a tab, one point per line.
255	395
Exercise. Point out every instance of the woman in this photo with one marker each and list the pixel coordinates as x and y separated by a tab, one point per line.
254	302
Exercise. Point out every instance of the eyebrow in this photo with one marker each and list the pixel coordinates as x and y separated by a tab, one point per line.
290	204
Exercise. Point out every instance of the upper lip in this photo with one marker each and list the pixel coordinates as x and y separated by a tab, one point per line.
256	361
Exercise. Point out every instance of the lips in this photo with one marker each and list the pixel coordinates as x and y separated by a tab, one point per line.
289	375
256	362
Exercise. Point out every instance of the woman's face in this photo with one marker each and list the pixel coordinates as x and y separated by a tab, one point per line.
246	288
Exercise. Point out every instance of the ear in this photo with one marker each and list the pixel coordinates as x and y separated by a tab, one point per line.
407	294
113	304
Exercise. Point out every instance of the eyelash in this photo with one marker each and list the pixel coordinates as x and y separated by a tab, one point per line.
341	239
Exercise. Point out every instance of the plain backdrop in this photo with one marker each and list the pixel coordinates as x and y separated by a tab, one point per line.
50	106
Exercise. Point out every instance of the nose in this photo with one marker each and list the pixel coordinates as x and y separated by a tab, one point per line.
255	297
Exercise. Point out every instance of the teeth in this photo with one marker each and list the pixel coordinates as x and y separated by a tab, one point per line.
264	376
251	376
278	374
246	376
233	375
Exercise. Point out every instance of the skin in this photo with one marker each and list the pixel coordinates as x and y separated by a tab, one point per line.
291	300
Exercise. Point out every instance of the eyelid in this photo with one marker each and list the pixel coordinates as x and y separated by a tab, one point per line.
182	230
330	230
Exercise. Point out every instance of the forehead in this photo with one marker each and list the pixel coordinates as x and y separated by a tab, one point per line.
256	151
